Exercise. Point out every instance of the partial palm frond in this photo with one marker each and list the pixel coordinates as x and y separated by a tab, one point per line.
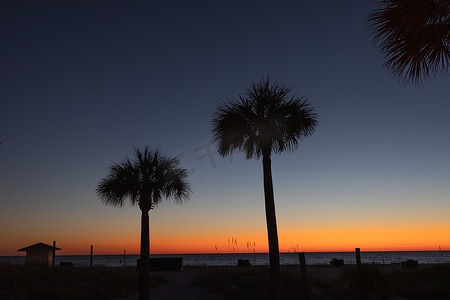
413	37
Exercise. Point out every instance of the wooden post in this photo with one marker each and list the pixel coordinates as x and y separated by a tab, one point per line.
124	257
53	251
92	250
358	258
301	258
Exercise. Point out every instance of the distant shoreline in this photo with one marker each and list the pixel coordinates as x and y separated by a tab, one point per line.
256	259
246	253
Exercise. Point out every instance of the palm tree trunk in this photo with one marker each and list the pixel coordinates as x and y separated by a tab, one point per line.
274	254
144	261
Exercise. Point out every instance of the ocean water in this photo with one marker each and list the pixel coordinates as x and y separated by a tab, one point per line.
230	259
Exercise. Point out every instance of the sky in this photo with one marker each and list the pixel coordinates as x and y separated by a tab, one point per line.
82	82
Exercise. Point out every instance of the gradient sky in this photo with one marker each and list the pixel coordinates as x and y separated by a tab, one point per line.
81	82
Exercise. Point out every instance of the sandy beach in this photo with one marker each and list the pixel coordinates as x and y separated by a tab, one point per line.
179	284
217	283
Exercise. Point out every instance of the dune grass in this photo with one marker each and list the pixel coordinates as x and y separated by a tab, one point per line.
247	283
429	283
374	282
369	282
37	282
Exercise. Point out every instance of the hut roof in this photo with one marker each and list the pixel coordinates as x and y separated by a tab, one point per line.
39	246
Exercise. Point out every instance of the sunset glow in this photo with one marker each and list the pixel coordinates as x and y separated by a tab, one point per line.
401	239
82	84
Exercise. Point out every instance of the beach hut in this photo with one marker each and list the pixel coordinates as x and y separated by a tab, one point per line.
39	254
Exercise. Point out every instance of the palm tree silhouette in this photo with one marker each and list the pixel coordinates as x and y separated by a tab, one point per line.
266	120
144	180
413	37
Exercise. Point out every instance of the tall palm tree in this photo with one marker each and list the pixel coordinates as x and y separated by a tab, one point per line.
413	37
144	181
267	119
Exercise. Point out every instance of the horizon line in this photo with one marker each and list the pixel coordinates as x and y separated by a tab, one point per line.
244	253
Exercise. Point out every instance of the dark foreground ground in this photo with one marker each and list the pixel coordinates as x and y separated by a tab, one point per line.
323	282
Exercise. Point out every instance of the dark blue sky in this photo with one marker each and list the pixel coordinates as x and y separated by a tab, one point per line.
83	81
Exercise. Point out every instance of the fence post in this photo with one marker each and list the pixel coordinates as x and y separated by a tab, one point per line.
301	258
358	258
92	250
53	256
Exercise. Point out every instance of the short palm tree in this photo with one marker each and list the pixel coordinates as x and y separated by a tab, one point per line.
413	36
266	120
144	181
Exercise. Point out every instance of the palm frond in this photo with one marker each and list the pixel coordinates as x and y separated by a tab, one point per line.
413	37
145	180
266	117
231	124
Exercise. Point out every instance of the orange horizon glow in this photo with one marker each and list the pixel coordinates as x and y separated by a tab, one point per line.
196	238
405	249
337	240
